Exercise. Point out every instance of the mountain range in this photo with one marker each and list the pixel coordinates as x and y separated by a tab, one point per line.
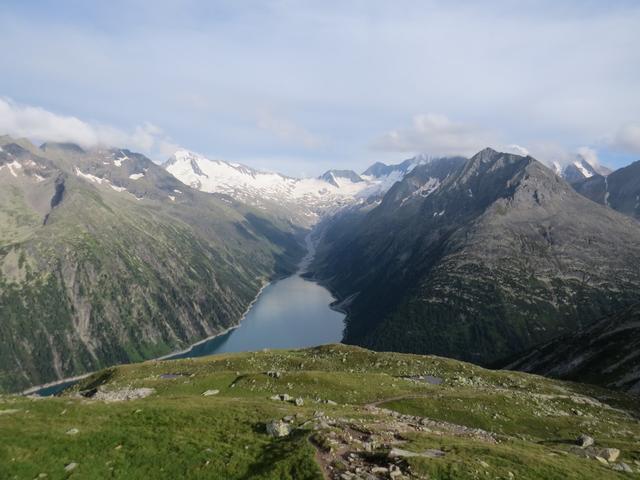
107	257
306	199
478	259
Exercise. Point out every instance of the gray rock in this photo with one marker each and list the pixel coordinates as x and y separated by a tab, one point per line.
299	402
72	431
584	441
400	453
278	428
209	393
282	397
122	395
622	467
70	467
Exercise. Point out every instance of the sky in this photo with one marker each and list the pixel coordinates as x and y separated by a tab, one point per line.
300	87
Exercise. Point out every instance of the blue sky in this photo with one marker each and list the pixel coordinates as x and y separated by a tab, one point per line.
300	87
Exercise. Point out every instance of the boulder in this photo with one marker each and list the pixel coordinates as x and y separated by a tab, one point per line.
278	428
584	441
209	393
609	454
299	402
70	467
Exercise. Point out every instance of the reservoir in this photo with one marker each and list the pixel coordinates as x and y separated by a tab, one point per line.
290	313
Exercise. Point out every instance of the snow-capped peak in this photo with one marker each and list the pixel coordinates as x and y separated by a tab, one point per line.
583	167
311	196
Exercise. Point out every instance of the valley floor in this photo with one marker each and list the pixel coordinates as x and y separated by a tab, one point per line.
333	411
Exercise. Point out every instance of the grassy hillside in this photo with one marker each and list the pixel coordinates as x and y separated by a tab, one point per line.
356	407
106	258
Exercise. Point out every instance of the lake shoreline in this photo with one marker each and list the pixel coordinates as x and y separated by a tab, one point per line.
304	263
168	356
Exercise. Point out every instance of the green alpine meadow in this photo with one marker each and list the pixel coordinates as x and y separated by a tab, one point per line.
317	413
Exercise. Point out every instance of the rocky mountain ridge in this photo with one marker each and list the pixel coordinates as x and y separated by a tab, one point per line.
498	256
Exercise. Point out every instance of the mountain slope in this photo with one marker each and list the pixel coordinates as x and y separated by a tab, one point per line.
499	256
620	190
360	414
105	258
605	353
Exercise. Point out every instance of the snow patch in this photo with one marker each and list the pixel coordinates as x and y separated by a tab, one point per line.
118	161
582	169
88	176
13	166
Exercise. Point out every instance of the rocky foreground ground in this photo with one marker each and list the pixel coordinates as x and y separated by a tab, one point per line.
333	412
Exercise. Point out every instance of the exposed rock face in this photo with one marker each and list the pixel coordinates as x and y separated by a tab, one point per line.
496	256
605	353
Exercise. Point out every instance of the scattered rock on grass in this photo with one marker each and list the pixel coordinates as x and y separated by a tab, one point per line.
70	467
400	453
122	395
209	393
278	428
282	397
622	467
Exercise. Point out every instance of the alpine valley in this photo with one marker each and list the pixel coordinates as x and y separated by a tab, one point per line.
108	259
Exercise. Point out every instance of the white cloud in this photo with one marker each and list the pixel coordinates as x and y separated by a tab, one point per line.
590	155
517	149
628	138
557	156
286	130
437	135
42	125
